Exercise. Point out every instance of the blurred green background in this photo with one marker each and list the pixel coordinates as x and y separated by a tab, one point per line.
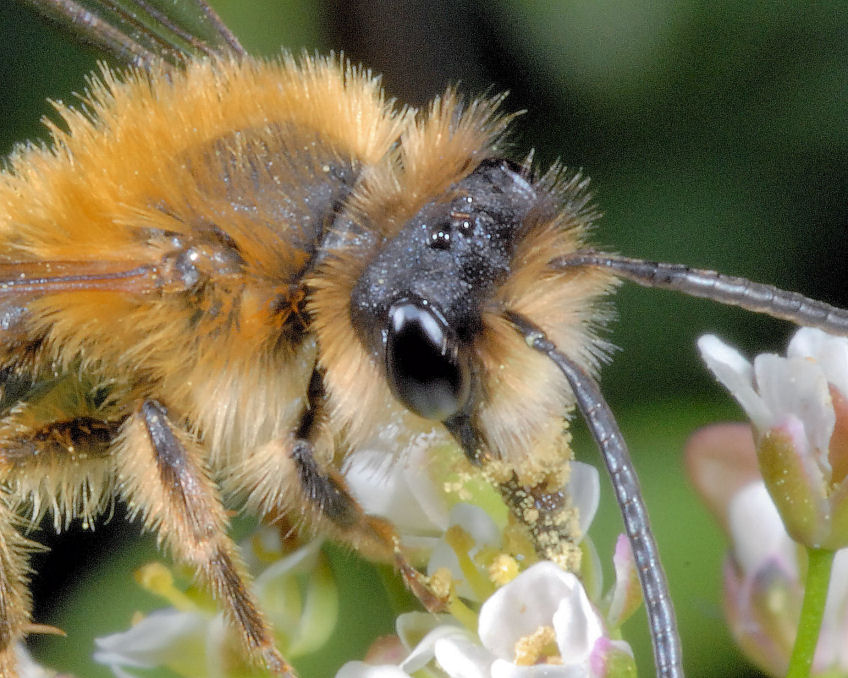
715	134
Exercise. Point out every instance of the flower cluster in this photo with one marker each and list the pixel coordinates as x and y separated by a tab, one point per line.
506	624
778	488
503	622
539	623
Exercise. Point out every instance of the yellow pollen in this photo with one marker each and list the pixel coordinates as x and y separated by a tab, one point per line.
504	569
538	648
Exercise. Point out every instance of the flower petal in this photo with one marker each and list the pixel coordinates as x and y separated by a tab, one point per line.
425	650
831	353
505	669
736	373
363	670
613	659
412	627
627	592
797	387
578	627
28	667
584	488
756	542
163	638
463	658
400	489
720	460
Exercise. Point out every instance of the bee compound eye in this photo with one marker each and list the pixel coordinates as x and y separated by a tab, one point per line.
427	368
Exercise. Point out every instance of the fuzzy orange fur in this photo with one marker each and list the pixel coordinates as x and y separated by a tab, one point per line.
147	192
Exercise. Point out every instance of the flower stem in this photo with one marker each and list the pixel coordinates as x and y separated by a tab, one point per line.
819	562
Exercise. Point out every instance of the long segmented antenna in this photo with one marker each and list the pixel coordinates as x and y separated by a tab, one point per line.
715	286
599	417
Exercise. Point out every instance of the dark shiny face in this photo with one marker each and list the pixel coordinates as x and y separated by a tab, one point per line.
417	307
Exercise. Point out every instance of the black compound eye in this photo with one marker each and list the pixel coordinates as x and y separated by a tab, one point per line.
426	367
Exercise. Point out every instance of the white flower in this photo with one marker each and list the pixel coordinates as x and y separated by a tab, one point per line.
542	597
28	667
165	637
764	590
420	632
540	625
776	390
401	490
764	542
796	405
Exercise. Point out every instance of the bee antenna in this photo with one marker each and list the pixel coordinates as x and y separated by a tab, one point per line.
725	289
600	419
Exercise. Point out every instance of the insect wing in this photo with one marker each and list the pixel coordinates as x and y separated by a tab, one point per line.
141	32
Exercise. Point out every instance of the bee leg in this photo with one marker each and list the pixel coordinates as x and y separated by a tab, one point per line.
15	602
55	438
294	476
162	476
342	516
544	508
61	464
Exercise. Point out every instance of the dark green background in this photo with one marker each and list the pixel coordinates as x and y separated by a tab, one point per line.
715	134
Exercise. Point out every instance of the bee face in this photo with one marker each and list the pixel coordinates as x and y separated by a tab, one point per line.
418	306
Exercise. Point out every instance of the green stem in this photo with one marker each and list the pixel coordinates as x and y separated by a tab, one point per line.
819	562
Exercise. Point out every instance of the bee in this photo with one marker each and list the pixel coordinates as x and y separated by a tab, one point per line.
224	275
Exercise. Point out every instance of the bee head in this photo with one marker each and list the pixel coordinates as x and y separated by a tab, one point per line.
412	296
419	303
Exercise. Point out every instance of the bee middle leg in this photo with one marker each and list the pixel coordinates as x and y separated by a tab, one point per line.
162	476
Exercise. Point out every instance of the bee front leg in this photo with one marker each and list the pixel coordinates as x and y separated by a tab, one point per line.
294	476
341	516
163	477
